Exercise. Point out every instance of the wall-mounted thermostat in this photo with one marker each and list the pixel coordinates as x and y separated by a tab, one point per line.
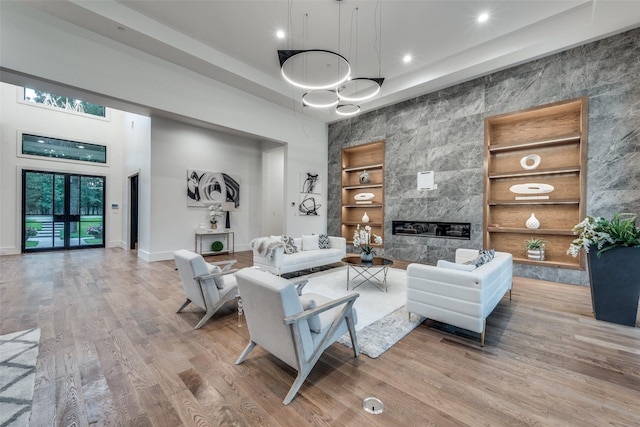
425	181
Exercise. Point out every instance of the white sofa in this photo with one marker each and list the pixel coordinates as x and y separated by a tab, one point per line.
459	298
280	262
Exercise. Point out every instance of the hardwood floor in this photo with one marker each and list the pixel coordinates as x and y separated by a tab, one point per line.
114	352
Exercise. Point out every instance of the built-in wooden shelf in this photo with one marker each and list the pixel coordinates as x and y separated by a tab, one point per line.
557	232
363	168
536	172
355	160
534	202
568	139
361	186
557	134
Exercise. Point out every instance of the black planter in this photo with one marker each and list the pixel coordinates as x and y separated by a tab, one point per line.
615	284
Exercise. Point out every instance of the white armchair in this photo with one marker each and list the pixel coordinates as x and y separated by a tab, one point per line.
207	285
296	329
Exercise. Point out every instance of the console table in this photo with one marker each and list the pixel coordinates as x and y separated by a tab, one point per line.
228	234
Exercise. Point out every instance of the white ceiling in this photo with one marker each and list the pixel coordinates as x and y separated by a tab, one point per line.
234	41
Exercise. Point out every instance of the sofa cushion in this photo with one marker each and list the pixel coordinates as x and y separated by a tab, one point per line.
310	242
324	242
314	321
484	256
289	245
456	266
218	280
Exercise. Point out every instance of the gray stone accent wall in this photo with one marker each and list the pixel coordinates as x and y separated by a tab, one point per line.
444	132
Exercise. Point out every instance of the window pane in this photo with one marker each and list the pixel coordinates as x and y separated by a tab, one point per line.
63	102
63	149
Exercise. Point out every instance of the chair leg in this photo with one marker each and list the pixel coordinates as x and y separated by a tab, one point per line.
509	294
295	387
186	303
484	328
206	317
246	352
352	333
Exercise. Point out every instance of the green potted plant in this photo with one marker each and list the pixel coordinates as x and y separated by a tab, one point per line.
613	250
535	249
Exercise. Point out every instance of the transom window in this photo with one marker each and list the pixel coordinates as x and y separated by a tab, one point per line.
35	145
63	102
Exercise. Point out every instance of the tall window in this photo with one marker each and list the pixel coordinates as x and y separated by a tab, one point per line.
63	102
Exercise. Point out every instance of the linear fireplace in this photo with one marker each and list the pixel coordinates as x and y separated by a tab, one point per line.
444	230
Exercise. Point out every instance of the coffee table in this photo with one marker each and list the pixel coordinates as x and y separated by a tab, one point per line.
370	271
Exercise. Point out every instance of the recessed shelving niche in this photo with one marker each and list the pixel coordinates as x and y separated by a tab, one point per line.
542	145
355	161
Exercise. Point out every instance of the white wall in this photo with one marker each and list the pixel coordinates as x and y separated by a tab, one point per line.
273	192
137	161
88	62
176	147
20	117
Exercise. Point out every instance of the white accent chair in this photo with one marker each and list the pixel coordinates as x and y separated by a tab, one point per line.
207	285
278	321
460	298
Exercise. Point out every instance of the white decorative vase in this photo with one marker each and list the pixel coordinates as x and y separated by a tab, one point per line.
365	218
533	223
366	257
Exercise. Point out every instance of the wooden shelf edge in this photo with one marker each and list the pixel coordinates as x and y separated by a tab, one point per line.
557	232
361	168
516	174
566	139
361	187
533	202
551	264
363	206
372	224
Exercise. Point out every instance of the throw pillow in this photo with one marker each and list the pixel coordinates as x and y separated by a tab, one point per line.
484	256
310	243
314	321
218	280
323	241
454	266
289	245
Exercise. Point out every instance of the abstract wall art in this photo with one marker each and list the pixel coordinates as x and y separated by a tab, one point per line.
205	188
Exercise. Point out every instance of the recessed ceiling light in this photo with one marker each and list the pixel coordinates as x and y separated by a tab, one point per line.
280	34
406	59
41	141
483	17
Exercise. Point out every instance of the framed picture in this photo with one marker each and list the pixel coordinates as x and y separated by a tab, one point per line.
206	188
309	205
310	183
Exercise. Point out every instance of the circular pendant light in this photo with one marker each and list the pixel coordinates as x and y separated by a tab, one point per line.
347	109
359	89
314	69
320	98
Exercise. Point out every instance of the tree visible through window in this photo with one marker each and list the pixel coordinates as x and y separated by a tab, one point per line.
63	102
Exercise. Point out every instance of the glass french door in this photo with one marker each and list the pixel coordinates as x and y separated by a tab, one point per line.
62	211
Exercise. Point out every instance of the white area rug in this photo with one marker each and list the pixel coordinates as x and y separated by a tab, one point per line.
18	355
382	317
372	304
